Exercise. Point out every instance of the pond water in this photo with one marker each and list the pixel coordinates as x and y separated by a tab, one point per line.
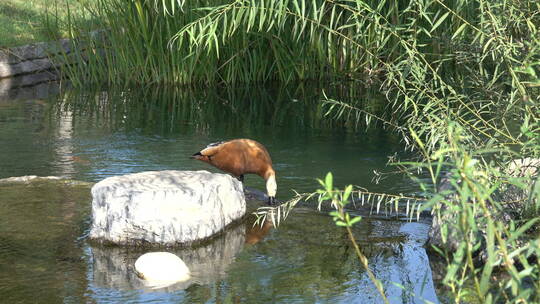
92	134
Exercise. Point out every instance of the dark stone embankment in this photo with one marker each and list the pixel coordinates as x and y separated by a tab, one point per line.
31	64
36	63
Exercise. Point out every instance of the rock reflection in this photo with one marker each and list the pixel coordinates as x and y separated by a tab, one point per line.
112	267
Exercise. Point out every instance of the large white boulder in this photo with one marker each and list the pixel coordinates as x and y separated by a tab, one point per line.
165	207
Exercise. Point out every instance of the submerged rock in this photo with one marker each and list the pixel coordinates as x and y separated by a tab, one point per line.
28	178
160	269
165	207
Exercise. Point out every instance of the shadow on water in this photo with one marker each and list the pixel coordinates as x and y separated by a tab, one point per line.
92	134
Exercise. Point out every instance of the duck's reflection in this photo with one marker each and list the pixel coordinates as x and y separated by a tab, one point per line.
255	232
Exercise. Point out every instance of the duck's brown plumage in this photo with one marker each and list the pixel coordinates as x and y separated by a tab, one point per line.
239	157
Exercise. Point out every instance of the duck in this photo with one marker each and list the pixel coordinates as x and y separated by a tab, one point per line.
239	157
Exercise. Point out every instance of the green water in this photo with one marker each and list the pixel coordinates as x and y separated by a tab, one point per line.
90	135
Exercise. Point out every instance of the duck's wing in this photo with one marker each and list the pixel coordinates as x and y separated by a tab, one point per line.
212	148
217	143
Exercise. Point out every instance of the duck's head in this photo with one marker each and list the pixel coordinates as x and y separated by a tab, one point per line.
201	157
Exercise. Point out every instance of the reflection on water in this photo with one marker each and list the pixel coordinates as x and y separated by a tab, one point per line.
323	268
41	250
91	135
113	267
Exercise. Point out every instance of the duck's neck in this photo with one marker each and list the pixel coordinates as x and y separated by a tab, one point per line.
271	185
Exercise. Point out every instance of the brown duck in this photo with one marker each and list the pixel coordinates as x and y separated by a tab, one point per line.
239	157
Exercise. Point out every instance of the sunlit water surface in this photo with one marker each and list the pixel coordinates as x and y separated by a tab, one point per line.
90	135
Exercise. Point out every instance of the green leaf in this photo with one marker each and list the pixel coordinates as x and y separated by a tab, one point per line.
335	214
459	30
516	234
341	224
328	181
439	21
347	192
453	268
355	220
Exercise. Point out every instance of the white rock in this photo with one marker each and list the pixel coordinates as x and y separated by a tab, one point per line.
524	167
165	207
160	269
27	178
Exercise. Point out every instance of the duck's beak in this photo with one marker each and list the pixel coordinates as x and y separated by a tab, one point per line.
271	200
197	155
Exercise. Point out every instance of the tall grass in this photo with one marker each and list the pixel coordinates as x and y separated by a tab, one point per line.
461	80
242	41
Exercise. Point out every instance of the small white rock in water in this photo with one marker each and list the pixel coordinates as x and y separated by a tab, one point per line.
161	269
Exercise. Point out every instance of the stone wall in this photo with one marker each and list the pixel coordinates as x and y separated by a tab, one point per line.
31	64
37	62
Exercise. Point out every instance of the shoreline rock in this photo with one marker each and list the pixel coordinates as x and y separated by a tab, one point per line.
512	195
40	62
